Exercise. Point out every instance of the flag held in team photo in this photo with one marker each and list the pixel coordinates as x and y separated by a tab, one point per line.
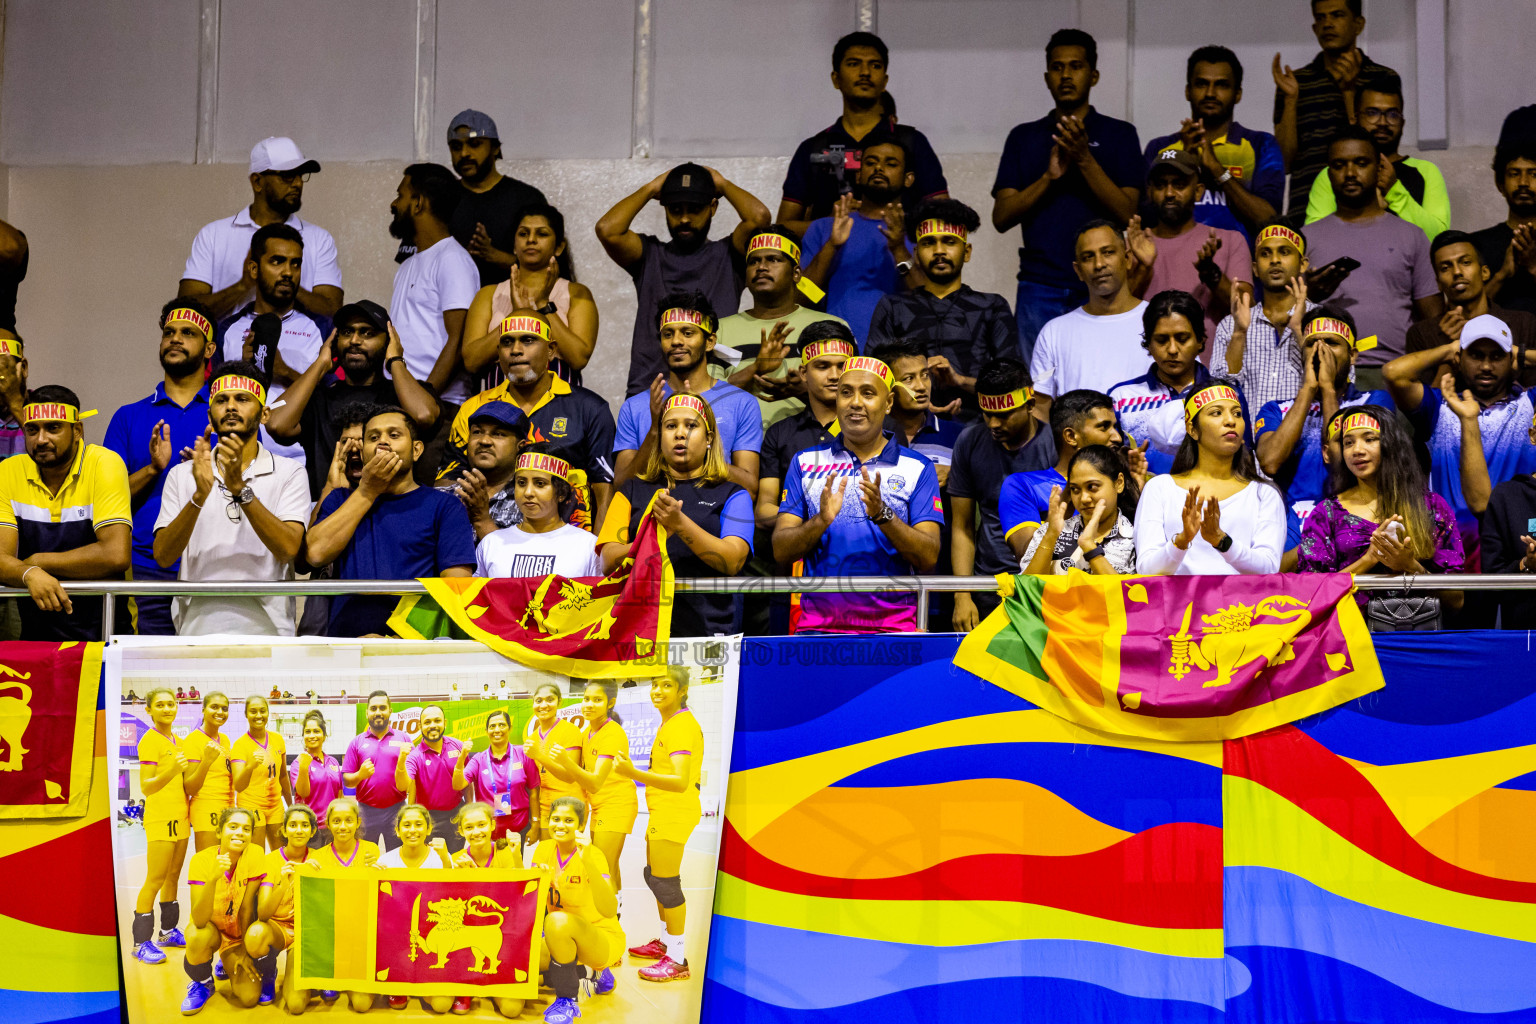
403	933
1177	657
47	727
613	627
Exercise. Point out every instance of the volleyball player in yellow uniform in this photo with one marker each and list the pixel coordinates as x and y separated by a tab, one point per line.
259	762
165	824
581	927
225	881
272	931
672	800
210	788
546	730
476	822
609	795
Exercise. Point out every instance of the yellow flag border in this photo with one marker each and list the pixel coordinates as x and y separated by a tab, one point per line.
975	657
520	990
82	754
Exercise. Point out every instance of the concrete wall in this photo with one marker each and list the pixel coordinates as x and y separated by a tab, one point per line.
124	128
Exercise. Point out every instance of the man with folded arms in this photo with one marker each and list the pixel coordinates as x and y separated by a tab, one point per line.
260	502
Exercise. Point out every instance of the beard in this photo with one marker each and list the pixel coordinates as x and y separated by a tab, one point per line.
175	365
283	206
403	228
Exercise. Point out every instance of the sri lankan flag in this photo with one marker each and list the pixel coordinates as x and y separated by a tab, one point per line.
420	933
47	727
612	627
1177	657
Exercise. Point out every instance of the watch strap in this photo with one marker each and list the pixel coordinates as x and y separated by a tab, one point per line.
1226	543
1097	551
547	309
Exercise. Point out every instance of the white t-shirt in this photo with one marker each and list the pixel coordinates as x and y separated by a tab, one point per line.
569	551
1080	350
393	859
434	280
220	248
1254	518
225	548
299	345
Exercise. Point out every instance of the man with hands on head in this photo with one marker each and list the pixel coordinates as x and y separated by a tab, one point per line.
255	526
960	328
690	195
388	527
158	431
859	253
375	765
1476	422
1263	352
860	505
77	526
362	345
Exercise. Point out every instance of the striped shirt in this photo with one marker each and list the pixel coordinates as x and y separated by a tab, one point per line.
1271	359
1319	115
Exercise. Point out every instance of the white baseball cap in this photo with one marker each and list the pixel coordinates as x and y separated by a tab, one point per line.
1489	327
279	153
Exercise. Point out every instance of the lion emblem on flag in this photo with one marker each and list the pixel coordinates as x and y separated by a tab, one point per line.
448	932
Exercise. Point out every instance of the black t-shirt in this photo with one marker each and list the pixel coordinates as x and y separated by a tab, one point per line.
10	283
499	209
1519	290
692	614
977	472
714	268
816	183
319	425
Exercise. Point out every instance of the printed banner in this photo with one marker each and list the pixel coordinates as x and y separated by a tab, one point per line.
369	958
402	932
1177	657
616	627
47	727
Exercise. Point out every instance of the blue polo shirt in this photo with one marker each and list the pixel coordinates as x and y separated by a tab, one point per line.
863	271
128	435
936	439
1254	159
736	414
1505	427
1148	409
1304	476
1025	498
854	546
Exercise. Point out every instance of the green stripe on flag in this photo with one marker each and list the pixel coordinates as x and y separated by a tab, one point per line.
317	937
1023	645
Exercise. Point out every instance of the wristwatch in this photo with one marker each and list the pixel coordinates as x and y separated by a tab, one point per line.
1225	544
1097	551
393	359
547	309
886	515
246	495
904	268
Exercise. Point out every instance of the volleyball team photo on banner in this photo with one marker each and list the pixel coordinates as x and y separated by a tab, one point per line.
412	826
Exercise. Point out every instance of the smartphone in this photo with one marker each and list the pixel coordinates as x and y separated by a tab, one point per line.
1345	264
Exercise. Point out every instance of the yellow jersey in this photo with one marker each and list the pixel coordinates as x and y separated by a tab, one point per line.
218	788
562	734
679	734
609	741
264	792
500	858
327	858
272	872
168	803
231	889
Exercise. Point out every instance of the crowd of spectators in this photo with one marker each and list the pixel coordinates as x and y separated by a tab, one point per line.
1205	370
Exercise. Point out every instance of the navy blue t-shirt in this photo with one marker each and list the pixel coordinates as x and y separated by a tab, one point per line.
1049	229
403	537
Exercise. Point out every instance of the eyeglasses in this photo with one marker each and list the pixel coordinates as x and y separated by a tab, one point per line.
1375	114
289	177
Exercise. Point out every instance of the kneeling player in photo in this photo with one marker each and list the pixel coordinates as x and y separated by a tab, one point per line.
225	881
582	937
272	931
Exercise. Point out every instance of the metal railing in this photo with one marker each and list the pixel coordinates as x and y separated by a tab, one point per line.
109	590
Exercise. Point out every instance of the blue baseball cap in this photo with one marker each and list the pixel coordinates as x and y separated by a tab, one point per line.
505	413
472	124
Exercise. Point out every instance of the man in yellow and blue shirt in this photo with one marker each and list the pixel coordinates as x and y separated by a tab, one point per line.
64	514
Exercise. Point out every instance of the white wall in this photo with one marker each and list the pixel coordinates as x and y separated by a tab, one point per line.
100	112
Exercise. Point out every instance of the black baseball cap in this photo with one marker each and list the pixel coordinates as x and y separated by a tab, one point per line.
688	183
365	309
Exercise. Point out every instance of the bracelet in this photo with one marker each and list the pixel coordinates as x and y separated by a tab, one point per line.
195	503
1097	551
23	580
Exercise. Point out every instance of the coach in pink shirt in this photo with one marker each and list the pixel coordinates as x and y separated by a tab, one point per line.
434	776
315	775
504	777
375	766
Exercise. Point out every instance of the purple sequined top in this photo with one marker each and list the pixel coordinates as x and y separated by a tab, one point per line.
1333	538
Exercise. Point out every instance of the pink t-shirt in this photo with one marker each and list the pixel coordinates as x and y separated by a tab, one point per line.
324	783
1175	268
378	790
504	784
433	772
